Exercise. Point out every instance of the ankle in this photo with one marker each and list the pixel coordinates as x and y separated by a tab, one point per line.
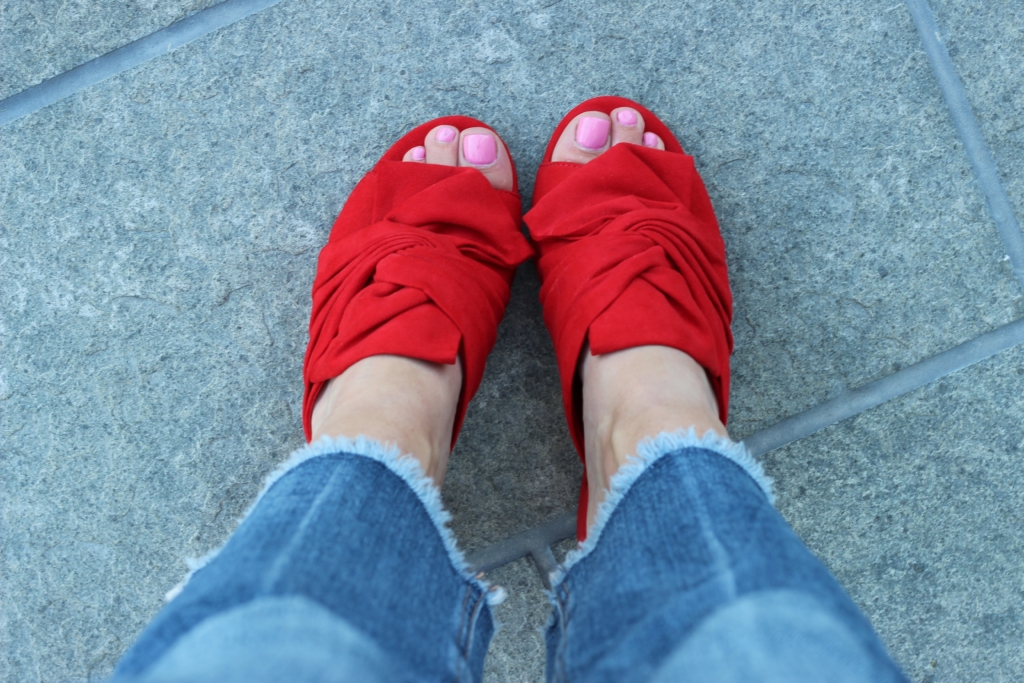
396	400
634	394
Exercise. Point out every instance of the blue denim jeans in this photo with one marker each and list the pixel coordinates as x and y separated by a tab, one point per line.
344	570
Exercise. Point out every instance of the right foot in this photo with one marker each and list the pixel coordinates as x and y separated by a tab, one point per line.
393	399
478	148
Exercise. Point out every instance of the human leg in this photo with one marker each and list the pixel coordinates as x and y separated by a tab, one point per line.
344	570
635	392
398	400
690	575
687	572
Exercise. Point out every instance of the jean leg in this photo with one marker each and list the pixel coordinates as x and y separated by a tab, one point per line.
342	570
690	574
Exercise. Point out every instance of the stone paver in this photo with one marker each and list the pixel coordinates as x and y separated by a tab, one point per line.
915	505
986	44
158	238
44	38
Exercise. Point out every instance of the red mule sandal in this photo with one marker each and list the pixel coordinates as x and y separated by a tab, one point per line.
629	254
419	264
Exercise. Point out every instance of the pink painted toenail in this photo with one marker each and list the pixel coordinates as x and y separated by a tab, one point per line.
592	133
445	134
650	140
626	117
419	154
480	150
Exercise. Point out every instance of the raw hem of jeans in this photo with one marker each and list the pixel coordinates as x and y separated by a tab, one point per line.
649	451
406	467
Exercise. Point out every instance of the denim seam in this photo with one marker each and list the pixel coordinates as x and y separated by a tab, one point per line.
465	625
406	467
726	578
649	451
473	613
460	650
286	553
563	614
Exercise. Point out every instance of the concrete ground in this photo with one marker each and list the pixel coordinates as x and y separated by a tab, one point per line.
159	233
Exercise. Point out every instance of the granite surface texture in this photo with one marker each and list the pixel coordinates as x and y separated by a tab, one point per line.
915	505
159	234
986	44
43	38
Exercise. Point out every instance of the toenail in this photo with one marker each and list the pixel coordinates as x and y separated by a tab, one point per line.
626	117
419	154
445	134
480	150
650	140
592	133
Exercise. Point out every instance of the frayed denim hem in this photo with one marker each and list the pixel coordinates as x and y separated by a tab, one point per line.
406	467
649	451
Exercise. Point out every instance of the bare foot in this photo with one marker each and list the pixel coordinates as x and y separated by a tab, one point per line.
638	392
407	402
392	399
591	133
477	148
635	393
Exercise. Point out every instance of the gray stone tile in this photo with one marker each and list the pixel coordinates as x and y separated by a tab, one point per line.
986	43
158	237
866	142
44	38
517	651
915	506
515	466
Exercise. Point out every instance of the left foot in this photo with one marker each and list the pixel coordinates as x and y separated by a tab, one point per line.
636	393
408	402
592	133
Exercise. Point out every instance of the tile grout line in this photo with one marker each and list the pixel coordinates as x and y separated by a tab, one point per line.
129	56
967	127
873	394
535	541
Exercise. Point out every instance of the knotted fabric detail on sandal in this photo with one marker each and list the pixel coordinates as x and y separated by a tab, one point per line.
419	264
630	254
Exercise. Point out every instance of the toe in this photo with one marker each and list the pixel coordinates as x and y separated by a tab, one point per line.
585	138
442	146
417	154
481	149
653	141
627	126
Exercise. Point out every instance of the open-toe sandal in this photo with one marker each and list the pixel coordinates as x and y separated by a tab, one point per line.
629	254
419	264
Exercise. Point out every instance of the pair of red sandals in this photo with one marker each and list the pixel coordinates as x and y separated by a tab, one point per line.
420	262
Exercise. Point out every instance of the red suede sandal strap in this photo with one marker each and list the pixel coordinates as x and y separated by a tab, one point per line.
418	264
629	254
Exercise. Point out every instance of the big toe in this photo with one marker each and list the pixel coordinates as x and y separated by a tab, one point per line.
585	138
482	149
